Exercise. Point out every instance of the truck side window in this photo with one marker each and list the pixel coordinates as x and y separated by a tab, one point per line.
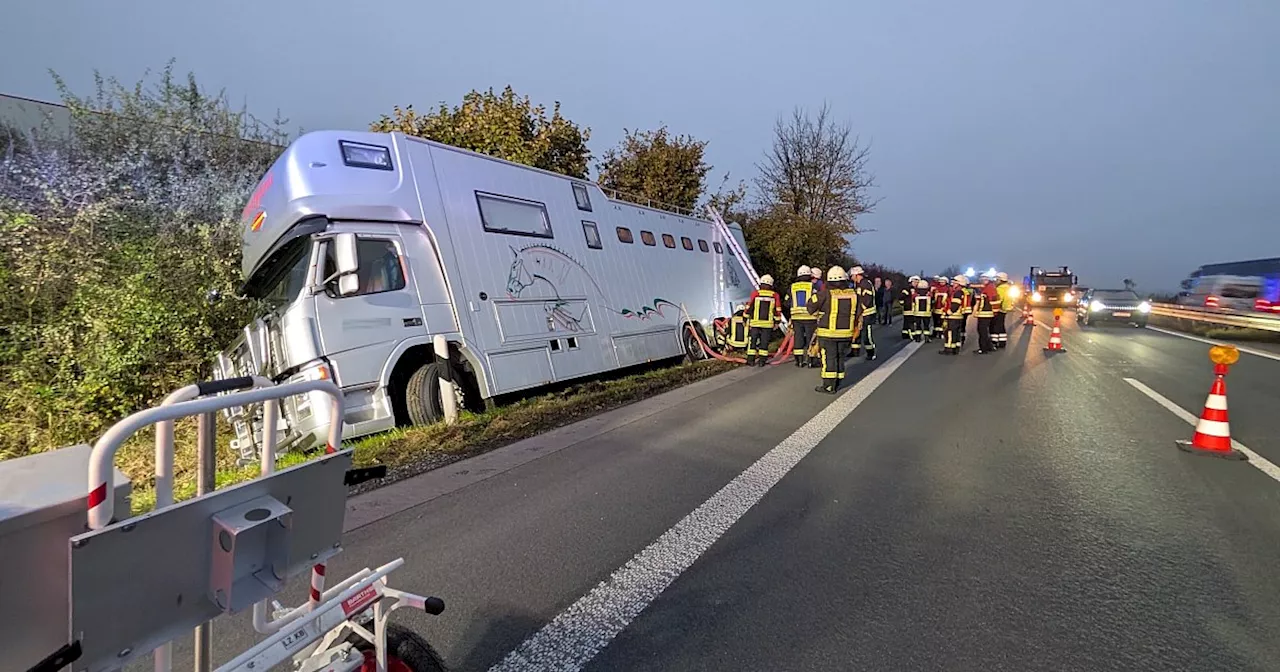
646	237
686	243
381	268
702	245
669	240
592	233
581	197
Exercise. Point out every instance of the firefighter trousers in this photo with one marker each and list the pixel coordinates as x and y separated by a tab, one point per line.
999	337
801	334
952	327
834	353
984	334
758	343
939	325
863	341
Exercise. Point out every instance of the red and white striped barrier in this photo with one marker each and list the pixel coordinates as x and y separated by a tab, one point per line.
1213	431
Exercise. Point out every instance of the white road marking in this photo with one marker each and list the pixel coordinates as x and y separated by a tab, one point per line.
1255	459
1248	350
580	632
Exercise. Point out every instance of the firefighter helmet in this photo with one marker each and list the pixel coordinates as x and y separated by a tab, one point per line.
913	279
742	308
961	280
856	270
1002	276
922	284
836	274
803	271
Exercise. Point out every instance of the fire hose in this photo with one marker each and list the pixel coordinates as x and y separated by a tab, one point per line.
783	354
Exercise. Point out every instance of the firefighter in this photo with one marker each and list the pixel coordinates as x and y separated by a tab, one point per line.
763	311
984	309
941	298
921	301
737	336
953	316
838	305
967	293
863	339
803	322
904	301
1000	324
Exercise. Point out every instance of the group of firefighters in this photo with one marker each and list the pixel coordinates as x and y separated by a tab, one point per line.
831	318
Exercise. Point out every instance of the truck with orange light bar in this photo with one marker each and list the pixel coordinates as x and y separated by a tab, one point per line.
367	249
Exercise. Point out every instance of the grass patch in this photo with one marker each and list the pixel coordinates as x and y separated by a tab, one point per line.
411	451
1216	331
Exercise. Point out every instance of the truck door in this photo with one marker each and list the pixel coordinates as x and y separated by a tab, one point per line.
358	331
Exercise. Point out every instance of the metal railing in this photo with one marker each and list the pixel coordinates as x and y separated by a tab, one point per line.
1224	317
647	202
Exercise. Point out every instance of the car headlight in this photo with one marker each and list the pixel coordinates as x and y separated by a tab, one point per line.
1014	292
1097	306
1035	296
1144	307
1066	297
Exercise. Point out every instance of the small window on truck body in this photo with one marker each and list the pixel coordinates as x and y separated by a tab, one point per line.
686	243
702	245
504	214
592	232
719	250
624	235
381	267
582	197
669	240
647	238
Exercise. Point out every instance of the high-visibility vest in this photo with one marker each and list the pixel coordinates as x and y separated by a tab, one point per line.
983	306
920	301
763	308
1006	301
840	318
801	292
955	303
867	297
941	297
737	336
967	293
998	306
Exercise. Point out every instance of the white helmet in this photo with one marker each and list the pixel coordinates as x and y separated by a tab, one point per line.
803	271
1002	276
913	279
961	280
741	307
856	270
922	284
766	279
836	274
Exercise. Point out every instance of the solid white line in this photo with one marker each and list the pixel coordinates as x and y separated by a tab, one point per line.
580	632
1255	459
1247	350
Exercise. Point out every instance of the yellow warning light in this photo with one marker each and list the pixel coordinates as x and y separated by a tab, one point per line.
1057	312
257	221
1224	354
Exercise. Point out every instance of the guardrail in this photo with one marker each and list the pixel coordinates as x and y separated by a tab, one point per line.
1228	318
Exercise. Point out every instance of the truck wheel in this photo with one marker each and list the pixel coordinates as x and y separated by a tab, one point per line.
407	651
422	395
693	351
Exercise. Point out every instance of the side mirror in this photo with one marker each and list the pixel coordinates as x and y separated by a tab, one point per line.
344	252
348	284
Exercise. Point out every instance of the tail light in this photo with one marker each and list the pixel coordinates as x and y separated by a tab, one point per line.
1211	302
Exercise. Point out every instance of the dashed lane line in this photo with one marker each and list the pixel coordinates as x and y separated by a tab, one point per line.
1255	459
1241	348
580	632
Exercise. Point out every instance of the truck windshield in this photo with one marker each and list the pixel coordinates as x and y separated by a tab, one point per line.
289	276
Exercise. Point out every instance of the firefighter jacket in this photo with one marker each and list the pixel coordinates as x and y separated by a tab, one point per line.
904	300
957	299
866	298
802	292
967	294
998	304
763	309
920	301
737	336
985	301
838	307
941	298
1006	301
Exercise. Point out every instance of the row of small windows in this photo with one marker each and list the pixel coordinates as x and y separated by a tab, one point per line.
646	237
505	214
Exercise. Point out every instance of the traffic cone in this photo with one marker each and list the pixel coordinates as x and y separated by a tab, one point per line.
1027	318
1213	432
1055	338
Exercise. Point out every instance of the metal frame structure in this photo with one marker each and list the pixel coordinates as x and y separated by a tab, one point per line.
253	534
1228	318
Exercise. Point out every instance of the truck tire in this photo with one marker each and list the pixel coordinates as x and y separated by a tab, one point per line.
422	395
693	351
407	651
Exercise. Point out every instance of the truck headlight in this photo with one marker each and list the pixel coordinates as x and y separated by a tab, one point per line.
1066	298
1036	296
1097	306
1014	292
1144	307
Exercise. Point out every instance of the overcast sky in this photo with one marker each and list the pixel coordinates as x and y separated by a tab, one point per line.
1131	138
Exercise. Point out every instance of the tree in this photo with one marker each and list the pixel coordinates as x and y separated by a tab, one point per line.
503	125
664	168
951	271
817	171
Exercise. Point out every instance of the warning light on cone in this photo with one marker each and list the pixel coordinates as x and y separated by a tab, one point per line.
1057	312
1225	355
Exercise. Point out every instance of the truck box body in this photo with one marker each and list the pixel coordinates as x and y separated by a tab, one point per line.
533	277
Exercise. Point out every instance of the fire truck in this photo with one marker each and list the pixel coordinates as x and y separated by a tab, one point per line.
1051	287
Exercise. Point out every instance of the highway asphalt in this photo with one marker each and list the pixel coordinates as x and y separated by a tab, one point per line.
998	512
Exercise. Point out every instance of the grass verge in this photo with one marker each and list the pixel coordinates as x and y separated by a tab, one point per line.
1216	331
411	451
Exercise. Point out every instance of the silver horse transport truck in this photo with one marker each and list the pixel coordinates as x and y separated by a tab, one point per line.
365	246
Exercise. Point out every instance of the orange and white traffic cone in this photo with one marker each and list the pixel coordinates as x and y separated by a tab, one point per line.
1027	318
1055	337
1213	431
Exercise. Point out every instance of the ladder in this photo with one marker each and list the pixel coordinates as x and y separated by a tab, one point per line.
733	245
